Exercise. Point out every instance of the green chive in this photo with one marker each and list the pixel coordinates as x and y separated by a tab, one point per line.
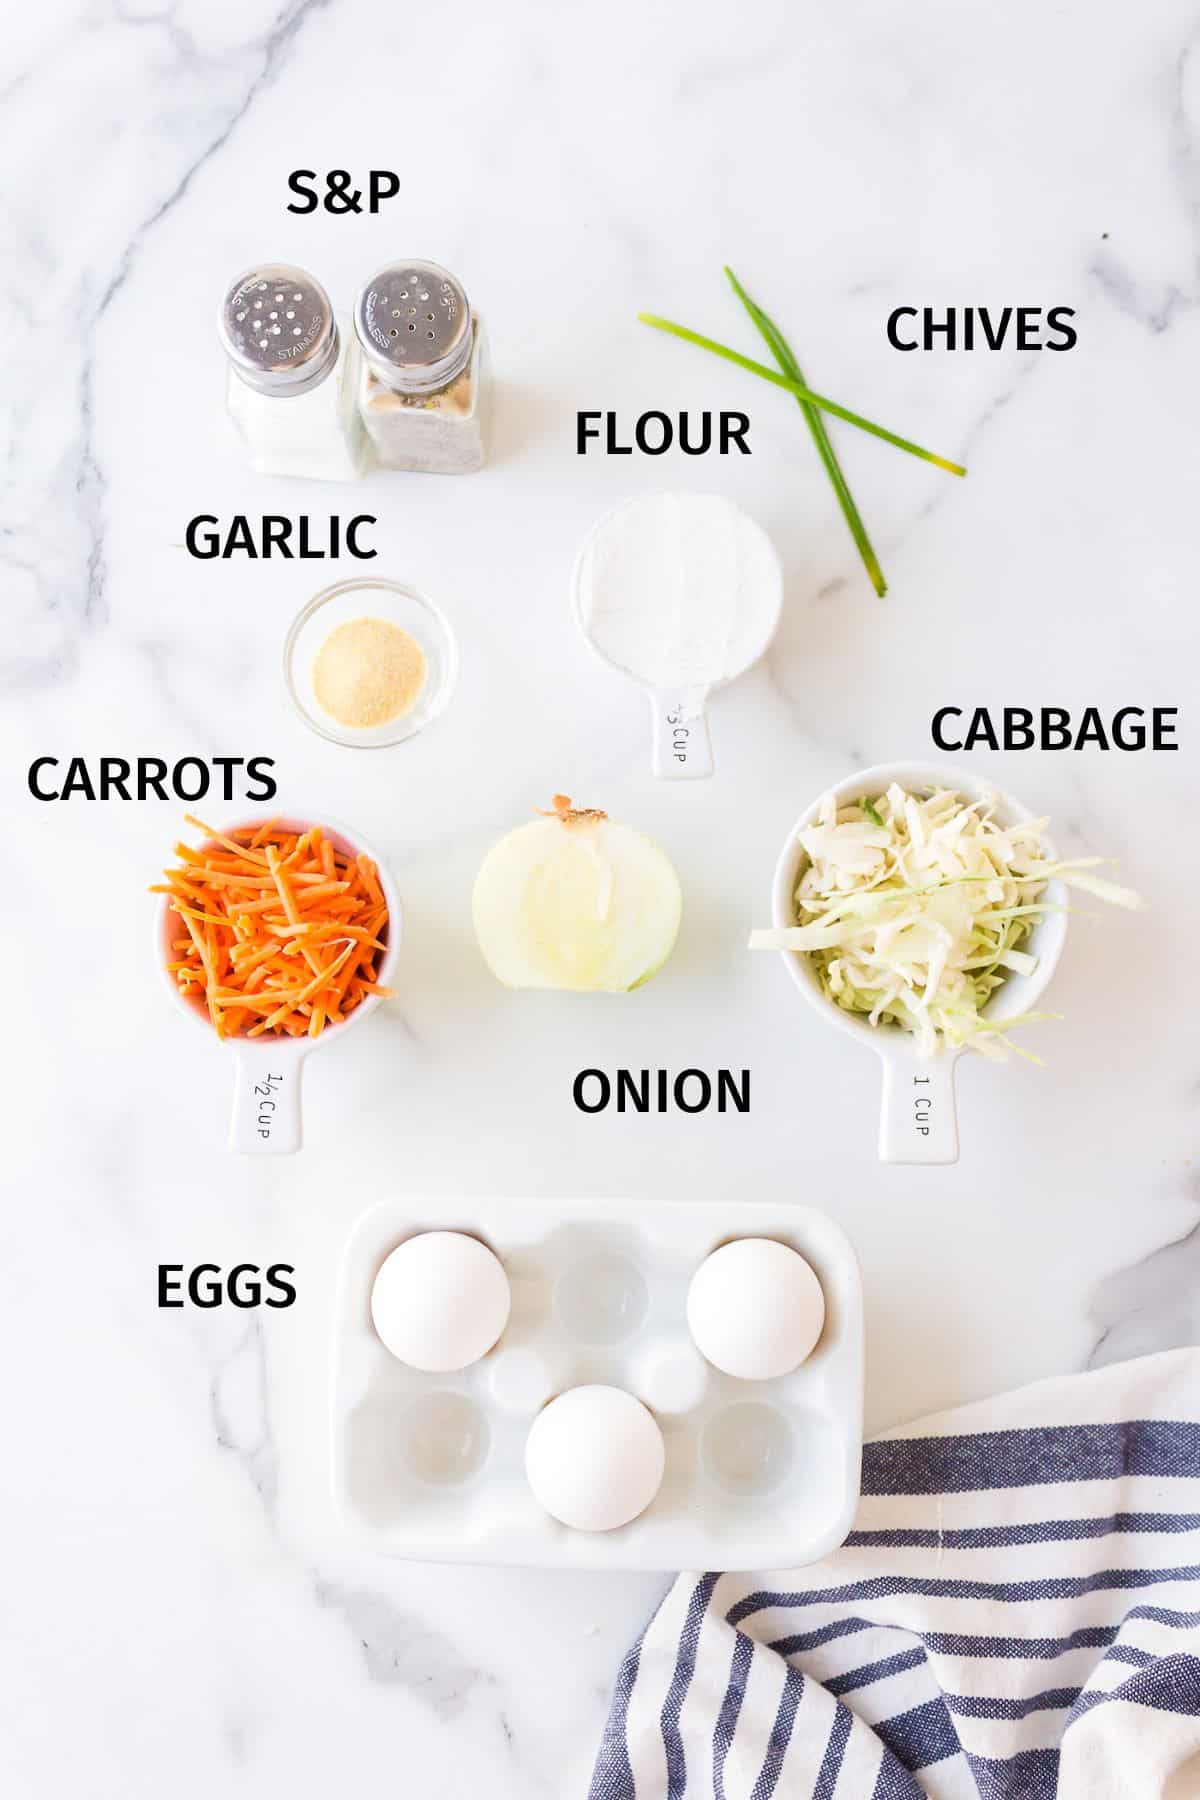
782	352
798	388
871	813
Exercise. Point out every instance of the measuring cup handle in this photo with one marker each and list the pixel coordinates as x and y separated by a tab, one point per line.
266	1105
682	748
918	1122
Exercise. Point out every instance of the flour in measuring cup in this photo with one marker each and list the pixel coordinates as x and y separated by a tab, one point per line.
679	590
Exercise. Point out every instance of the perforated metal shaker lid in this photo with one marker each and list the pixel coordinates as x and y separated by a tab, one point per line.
277	328
414	324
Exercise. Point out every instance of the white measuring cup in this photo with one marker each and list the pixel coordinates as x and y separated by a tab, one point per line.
681	746
267	1070
918	1121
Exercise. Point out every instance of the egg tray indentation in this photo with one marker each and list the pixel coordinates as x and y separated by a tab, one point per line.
758	1474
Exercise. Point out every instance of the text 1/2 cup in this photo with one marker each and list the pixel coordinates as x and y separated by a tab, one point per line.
266	1095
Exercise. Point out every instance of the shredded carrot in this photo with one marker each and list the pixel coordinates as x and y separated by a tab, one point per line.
240	852
366	869
284	933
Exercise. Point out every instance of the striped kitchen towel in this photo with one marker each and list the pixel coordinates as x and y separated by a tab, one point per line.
1015	1616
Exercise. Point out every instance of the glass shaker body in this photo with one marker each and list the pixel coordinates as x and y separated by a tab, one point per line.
291	388
317	435
423	387
440	433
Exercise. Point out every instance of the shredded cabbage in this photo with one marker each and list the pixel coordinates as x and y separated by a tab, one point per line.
915	909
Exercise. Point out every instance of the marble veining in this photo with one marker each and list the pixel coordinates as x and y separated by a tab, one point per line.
183	1612
403	1648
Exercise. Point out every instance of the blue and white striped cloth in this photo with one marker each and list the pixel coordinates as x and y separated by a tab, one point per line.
1015	1616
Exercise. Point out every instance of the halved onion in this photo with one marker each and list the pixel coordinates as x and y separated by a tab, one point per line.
574	901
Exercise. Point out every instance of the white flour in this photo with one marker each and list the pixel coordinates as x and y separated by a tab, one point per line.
679	590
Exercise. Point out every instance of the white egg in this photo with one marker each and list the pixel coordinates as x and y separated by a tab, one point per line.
440	1301
595	1458
755	1309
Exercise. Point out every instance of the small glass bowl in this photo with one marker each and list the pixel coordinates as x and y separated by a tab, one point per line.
366	597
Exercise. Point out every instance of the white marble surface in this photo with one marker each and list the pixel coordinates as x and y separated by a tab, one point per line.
180	1611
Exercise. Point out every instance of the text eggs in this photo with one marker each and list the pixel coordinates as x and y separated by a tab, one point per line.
755	1309
440	1301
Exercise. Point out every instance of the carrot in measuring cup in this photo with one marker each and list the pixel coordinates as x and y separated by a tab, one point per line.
284	933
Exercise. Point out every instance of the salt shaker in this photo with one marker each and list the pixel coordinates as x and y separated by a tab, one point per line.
422	389
293	375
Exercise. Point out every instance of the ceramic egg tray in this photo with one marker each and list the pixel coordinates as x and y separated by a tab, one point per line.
758	1474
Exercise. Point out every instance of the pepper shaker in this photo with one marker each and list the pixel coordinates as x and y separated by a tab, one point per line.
422	388
293	375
